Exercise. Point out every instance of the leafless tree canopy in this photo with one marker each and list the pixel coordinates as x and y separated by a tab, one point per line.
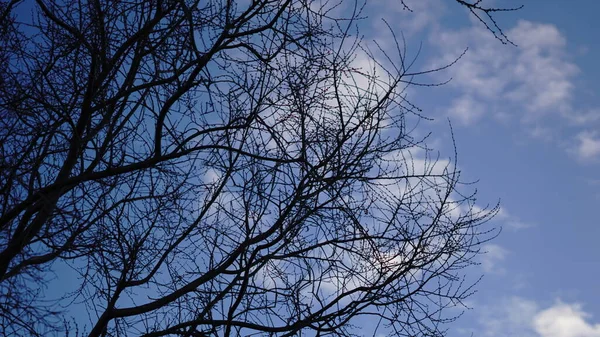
222	168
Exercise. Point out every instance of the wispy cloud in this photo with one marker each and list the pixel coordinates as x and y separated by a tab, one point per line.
511	221
415	17
510	317
466	110
534	83
492	257
536	76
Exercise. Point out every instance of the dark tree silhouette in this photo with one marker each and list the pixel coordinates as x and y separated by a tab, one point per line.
196	168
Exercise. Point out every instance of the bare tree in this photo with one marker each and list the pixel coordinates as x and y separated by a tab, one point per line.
219	168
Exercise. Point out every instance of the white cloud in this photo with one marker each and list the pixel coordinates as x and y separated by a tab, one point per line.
537	36
588	145
534	83
543	73
536	76
521	317
565	320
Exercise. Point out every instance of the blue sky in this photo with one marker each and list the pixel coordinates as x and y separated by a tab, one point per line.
527	125
526	121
